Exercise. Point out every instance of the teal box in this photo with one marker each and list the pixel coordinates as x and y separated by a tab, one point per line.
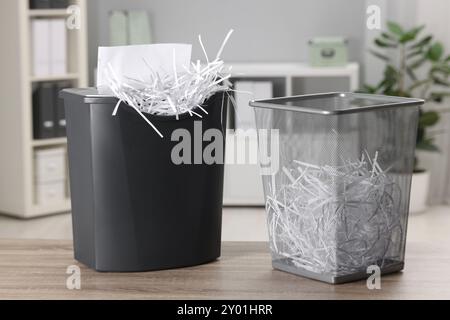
328	52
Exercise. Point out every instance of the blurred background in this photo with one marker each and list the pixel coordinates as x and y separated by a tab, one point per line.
278	48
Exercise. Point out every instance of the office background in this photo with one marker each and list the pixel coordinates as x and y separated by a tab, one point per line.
274	35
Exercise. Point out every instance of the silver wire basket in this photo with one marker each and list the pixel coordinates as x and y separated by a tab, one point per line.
337	201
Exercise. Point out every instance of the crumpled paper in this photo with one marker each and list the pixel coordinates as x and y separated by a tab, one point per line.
160	79
133	62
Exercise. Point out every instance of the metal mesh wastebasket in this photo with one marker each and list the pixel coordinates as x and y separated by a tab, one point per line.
337	201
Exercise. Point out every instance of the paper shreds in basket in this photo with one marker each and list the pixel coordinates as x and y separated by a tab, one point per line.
173	94
335	219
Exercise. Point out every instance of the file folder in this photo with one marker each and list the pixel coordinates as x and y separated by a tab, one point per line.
43	111
40	30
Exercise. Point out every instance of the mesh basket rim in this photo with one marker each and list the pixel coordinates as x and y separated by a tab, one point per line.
379	102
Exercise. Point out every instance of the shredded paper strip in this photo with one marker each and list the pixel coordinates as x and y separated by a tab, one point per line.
182	92
335	219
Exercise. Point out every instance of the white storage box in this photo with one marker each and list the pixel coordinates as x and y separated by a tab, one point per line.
50	175
50	192
50	164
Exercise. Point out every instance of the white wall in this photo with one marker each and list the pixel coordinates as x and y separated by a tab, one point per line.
265	30
435	14
373	67
403	12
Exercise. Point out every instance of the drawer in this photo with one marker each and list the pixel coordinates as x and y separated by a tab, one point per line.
50	165
50	192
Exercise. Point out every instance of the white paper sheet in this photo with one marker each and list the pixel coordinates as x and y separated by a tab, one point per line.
132	62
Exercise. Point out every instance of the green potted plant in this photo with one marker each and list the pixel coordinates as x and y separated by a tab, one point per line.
416	66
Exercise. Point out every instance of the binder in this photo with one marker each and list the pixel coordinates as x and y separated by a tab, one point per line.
59	4
60	115
58	47
39	4
43	111
118	28
129	27
139	27
40	29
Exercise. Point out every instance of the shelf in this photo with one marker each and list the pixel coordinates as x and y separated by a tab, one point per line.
39	210
292	71
69	76
49	142
42	13
289	70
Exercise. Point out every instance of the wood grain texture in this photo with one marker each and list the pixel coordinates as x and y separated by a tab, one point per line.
37	270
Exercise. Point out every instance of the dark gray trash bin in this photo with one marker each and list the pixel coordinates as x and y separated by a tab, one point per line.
132	208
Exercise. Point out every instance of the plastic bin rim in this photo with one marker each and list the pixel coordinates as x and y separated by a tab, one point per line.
385	102
91	96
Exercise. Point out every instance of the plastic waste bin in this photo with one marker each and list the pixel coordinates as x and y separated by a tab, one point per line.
133	209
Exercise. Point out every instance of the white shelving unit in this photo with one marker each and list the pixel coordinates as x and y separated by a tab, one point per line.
69	76
47	13
289	73
243	185
16	84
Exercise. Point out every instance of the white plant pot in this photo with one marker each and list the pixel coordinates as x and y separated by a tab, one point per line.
419	192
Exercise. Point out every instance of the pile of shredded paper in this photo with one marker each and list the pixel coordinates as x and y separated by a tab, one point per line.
182	92
335	219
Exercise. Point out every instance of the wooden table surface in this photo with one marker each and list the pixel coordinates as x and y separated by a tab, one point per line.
37	270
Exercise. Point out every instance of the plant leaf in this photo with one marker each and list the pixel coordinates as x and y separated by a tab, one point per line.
428	119
386	86
441	82
411	34
439	96
442	93
418	84
411	73
414	53
427	145
387	36
384	44
395	28
383	85
366	88
390	70
390	74
435	52
441	69
417	63
422	42
380	55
